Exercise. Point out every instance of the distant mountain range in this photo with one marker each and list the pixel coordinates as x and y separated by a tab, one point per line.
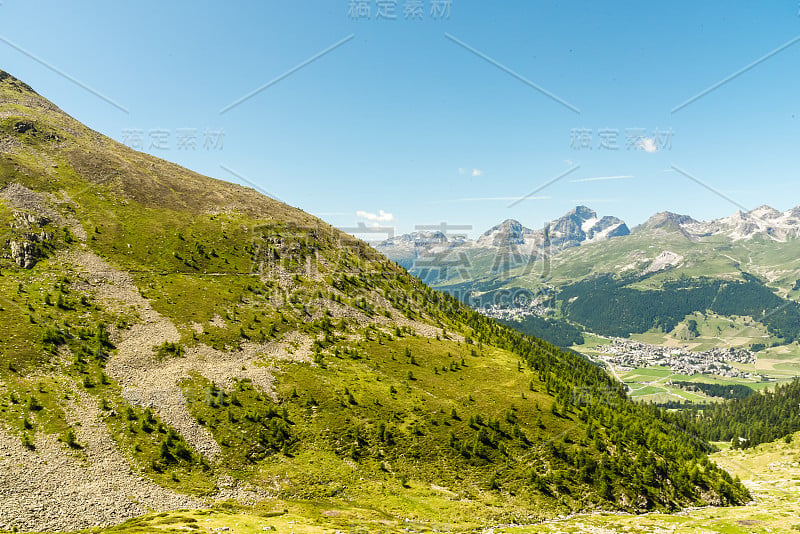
763	221
436	251
578	226
586	270
442	258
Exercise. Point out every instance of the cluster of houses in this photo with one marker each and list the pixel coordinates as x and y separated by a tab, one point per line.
628	354
514	313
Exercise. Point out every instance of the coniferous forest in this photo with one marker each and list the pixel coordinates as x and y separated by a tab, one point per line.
606	305
759	418
556	331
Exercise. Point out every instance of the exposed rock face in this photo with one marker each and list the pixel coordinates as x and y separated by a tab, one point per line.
29	236
664	260
666	219
31	242
582	224
567	231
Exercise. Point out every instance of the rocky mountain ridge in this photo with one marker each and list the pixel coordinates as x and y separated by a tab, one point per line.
763	221
578	226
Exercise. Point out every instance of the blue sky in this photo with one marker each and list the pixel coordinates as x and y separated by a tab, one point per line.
447	118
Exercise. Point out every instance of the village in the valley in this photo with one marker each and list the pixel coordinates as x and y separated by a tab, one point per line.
626	354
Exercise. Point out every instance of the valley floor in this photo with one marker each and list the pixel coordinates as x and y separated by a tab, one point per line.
644	363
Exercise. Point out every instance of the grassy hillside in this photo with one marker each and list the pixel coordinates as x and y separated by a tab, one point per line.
171	341
769	470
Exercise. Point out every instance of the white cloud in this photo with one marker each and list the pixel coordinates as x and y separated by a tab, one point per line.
647	144
381	216
602	178
477	172
473	172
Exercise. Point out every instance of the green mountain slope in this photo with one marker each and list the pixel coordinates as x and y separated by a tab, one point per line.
172	341
770	470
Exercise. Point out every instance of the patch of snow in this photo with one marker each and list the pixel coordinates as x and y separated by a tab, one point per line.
603	235
588	224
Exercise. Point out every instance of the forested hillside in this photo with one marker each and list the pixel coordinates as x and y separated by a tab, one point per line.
606	305
556	331
759	418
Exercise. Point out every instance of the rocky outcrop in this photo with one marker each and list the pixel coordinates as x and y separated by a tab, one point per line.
31	241
581	225
29	236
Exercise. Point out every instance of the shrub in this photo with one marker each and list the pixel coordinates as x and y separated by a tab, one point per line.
52	336
33	404
168	350
71	440
164	452
27	442
182	452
